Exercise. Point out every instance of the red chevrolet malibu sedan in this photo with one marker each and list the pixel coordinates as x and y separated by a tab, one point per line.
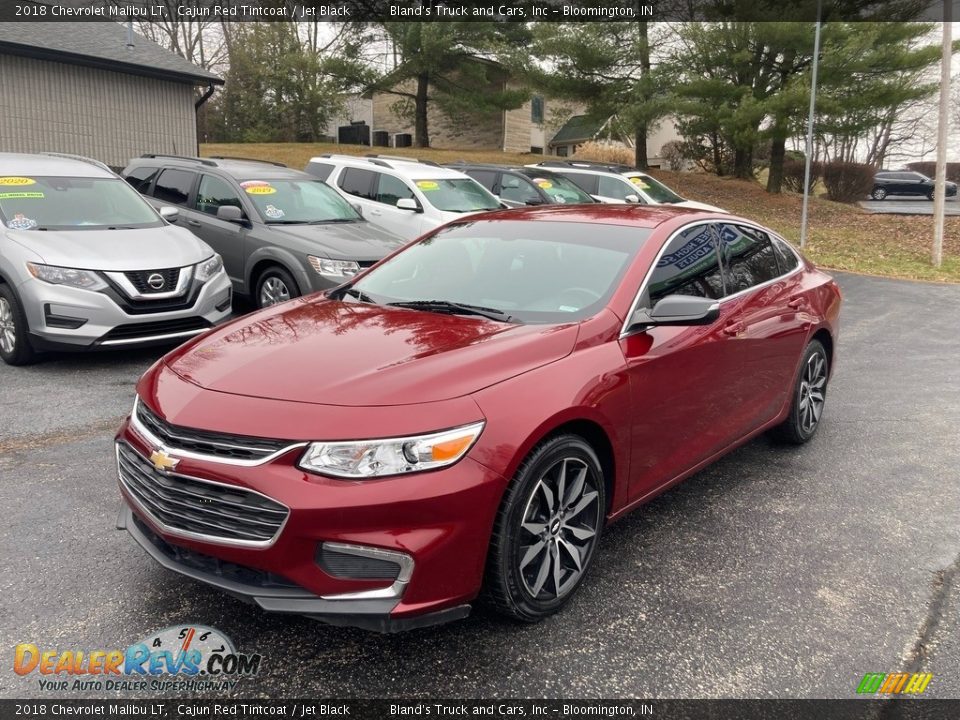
471	412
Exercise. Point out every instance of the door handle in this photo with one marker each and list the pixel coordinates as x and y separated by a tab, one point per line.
797	303
734	328
193	223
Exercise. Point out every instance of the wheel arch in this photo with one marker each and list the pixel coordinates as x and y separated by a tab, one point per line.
260	261
826	339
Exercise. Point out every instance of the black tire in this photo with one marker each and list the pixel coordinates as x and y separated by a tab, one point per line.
930	195
269	286
801	424
508	580
878	193
15	350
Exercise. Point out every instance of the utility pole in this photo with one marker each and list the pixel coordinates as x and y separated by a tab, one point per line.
939	190
809	148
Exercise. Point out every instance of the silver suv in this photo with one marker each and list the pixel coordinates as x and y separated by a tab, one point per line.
86	263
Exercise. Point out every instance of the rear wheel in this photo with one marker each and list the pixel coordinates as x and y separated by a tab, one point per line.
878	193
275	285
15	346
809	396
546	530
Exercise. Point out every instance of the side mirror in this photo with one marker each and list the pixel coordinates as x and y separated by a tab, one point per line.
533	201
169	213
230	213
408	204
632	198
675	310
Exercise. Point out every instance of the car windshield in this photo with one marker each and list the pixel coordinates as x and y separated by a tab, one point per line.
457	195
654	189
536	272
294	201
559	189
72	203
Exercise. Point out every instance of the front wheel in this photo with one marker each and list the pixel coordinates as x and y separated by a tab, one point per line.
809	395
15	346
275	285
546	529
878	193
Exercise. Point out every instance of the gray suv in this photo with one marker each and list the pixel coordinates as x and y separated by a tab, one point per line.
281	232
85	263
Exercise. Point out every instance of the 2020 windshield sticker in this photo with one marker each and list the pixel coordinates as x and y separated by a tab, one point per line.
640	183
545	184
17	181
260	190
427	185
21	222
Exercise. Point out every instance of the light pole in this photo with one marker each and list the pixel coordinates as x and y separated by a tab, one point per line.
940	188
809	149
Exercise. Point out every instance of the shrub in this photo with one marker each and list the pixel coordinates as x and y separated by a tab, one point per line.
674	152
605	151
793	174
848	182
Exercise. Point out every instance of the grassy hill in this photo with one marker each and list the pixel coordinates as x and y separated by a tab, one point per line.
840	236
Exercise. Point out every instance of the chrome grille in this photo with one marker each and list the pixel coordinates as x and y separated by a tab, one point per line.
204	442
198	507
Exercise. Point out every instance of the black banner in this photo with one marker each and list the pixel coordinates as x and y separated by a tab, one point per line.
468	10
162	709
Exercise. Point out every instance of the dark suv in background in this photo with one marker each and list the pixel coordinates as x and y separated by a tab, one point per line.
281	232
520	186
906	182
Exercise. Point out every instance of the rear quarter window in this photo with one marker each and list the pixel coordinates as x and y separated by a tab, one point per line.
173	186
319	170
142	178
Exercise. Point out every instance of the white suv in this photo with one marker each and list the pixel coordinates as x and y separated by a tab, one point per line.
611	183
403	195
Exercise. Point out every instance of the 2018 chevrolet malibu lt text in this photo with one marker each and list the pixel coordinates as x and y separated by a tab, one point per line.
472	411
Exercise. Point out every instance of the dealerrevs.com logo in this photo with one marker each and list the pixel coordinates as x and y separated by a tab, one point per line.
177	658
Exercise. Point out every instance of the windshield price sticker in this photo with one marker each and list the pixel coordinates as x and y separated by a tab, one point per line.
427	185
17	181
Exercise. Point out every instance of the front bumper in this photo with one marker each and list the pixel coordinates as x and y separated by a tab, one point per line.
65	318
441	520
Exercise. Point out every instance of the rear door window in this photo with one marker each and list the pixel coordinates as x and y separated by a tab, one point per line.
487	178
142	178
587	183
748	257
357	182
174	186
320	170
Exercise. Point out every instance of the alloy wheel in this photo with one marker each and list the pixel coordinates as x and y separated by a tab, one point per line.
8	331
273	291
559	528
812	387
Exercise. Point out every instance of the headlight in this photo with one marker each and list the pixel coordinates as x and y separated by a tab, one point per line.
208	268
334	268
84	279
395	456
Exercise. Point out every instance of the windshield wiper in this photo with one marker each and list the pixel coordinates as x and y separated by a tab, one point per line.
455	308
332	220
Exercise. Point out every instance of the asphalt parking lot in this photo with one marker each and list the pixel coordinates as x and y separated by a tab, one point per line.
778	572
907	205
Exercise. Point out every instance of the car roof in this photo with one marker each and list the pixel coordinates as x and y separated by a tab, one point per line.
52	165
561	169
408	167
641	216
237	168
524	170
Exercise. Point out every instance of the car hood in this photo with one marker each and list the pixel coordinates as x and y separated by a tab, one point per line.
333	353
118	250
341	241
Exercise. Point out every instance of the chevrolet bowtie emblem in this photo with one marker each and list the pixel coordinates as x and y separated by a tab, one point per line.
163	462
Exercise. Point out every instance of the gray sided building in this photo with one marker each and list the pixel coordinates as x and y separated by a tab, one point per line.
92	89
